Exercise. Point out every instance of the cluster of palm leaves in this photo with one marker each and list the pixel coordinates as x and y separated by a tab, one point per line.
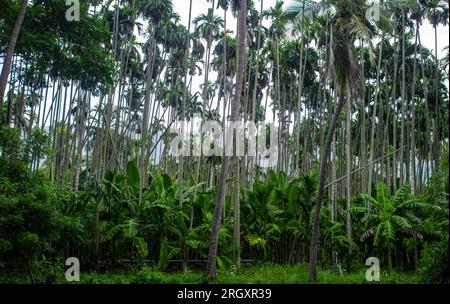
173	222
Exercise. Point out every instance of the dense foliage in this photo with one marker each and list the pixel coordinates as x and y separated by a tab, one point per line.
104	223
87	116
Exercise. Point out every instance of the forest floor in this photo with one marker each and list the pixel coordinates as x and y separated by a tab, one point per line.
261	274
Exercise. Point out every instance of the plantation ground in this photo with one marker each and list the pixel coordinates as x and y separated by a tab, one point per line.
263	274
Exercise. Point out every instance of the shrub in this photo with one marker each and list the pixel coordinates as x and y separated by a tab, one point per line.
433	268
148	276
32	219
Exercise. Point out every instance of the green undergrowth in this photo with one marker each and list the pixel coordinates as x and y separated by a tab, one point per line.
261	274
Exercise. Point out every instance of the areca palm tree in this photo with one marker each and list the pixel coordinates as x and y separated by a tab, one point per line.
207	26
301	25
346	24
235	110
155	10
437	12
278	17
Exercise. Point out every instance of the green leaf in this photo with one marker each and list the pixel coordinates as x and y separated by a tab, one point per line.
367	198
167	181
133	178
130	228
400	221
163	254
112	232
220	263
415	203
193	243
358	209
255	240
141	246
271	180
389	230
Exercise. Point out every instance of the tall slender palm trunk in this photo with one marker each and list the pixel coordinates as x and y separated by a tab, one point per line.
436	94
403	97
235	109
413	120
348	152
374	115
145	117
299	93
320	191
10	50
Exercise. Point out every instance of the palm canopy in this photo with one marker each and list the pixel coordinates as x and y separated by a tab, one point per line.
208	25
347	24
225	4
156	10
436	11
279	19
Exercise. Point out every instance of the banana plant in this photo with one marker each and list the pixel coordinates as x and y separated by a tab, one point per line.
128	230
387	218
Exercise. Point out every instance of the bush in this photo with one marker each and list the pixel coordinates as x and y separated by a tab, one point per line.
148	276
433	268
32	209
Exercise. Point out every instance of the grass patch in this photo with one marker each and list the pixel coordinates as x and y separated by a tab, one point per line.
298	274
261	274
